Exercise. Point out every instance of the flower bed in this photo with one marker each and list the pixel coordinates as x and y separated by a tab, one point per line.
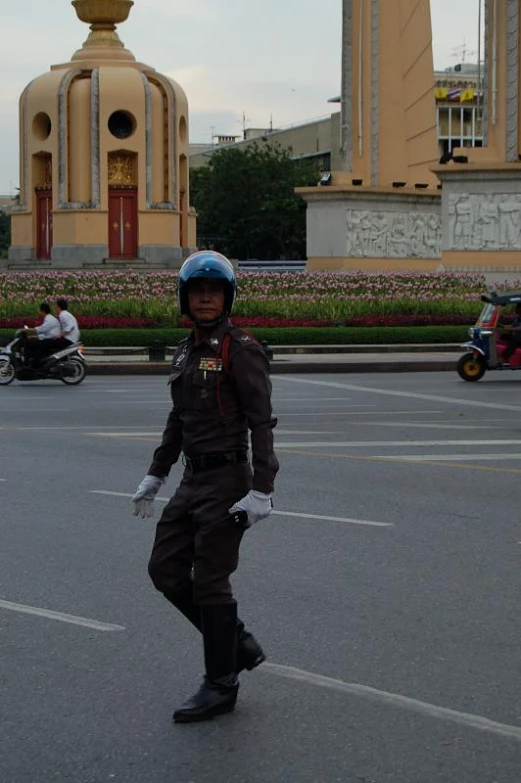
275	298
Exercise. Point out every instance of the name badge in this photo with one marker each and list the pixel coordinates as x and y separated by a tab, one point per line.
211	365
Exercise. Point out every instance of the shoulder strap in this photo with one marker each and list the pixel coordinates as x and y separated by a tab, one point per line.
235	333
225	352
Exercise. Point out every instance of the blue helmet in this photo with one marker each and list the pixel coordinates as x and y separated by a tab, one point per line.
209	265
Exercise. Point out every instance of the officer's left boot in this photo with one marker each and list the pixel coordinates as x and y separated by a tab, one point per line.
218	693
249	652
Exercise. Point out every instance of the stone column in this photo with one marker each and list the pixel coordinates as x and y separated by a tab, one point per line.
481	202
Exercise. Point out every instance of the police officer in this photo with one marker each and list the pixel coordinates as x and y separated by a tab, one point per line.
220	389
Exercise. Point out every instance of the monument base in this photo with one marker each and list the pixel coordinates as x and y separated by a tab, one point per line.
373	264
95	257
481	217
376	229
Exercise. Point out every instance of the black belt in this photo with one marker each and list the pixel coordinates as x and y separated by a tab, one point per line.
216	459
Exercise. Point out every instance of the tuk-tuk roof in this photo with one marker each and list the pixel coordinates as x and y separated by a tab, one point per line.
504	298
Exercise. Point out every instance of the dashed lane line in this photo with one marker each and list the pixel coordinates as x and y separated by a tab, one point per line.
396	393
60	616
275	512
450	457
427	710
396	460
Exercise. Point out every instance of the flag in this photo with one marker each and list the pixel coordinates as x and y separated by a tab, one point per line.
441	93
467	95
454	95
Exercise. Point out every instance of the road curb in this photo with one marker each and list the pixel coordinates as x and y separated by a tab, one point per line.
285	367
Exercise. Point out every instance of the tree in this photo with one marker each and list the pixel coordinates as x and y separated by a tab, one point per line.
246	203
5	233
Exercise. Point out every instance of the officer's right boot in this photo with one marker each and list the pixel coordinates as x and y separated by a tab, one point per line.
249	652
218	693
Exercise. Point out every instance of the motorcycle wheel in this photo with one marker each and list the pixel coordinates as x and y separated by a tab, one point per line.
7	371
80	371
471	368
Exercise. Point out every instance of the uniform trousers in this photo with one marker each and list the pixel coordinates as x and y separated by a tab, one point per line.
197	542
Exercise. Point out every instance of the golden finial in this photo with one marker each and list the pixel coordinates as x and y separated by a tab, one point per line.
103	16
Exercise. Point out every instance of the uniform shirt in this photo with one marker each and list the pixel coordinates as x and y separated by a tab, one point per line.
49	328
69	326
213	408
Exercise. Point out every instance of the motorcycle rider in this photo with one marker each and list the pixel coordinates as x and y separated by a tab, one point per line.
70	332
48	330
220	389
512	336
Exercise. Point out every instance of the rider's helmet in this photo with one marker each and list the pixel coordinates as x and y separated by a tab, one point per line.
207	265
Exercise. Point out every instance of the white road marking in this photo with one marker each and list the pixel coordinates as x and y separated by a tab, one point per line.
165	402
275	512
465	719
296	398
85	427
314	406
60	616
416	412
425	425
409	443
125	434
391	393
280	414
14	411
449	457
305	432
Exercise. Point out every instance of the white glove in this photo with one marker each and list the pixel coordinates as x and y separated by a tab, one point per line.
143	500
257	505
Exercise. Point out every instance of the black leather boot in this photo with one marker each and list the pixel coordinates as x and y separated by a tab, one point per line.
249	652
218	693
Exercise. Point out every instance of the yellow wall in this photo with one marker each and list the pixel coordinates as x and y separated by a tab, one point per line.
158	228
482	259
81	227
373	264
40	101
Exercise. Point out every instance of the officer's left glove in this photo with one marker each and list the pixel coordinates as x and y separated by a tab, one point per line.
257	505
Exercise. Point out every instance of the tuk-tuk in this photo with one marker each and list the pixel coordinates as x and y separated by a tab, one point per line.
485	348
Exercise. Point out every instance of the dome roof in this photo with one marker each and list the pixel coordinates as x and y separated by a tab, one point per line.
102	50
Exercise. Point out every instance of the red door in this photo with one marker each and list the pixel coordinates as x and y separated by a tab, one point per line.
44	223
123	223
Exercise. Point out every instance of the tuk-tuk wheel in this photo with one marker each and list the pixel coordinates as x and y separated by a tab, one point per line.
471	368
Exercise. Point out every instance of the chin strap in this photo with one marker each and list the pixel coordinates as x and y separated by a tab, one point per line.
209	324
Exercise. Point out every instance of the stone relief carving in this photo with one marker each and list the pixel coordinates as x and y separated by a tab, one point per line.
386	234
485	222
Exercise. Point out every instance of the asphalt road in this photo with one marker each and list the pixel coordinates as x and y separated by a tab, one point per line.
385	588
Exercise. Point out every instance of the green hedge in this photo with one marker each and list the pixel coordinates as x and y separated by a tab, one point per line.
342	335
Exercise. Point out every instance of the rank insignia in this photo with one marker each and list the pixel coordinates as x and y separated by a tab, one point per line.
211	365
214	341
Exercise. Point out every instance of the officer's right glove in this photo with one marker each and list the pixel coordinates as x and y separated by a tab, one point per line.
143	500
257	505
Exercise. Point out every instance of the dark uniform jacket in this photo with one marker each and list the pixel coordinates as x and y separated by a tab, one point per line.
214	405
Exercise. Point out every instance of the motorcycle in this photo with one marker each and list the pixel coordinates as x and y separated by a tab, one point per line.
485	348
66	365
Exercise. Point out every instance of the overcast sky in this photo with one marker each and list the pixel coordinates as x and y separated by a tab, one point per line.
261	59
